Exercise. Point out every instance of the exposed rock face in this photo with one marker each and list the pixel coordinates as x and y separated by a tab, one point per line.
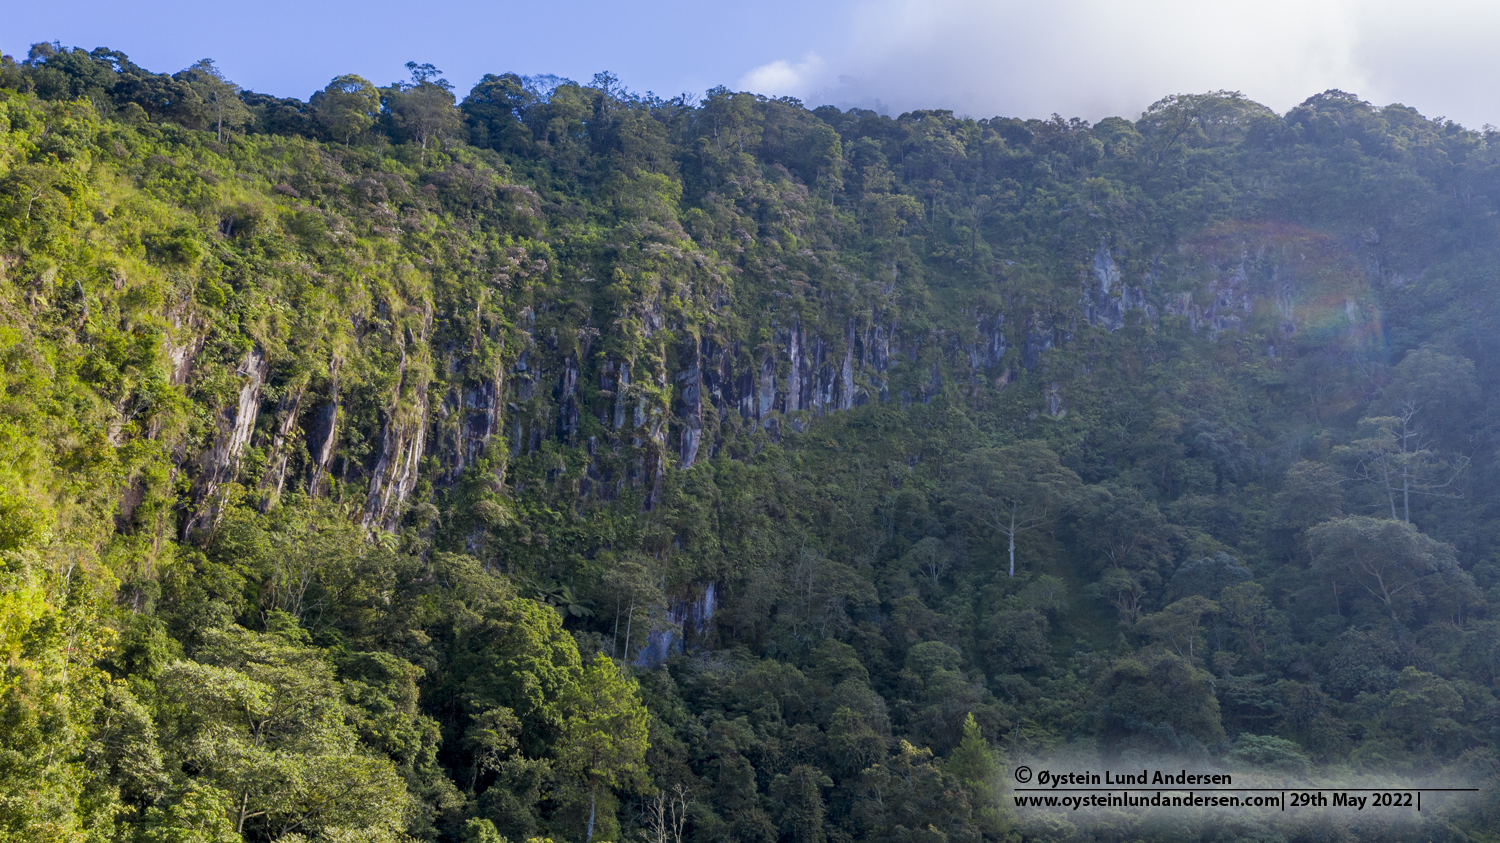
692	403
687	618
988	350
1107	296
567	397
281	439
321	437
220	463
796	370
708	387
765	396
480	413
403	438
844	395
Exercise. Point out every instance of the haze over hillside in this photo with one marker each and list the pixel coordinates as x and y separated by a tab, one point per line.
555	462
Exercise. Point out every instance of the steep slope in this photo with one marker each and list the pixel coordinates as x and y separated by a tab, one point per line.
331	404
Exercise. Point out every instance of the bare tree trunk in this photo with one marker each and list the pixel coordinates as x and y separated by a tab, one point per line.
593	791
614	638
629	616
1406	496
1011	535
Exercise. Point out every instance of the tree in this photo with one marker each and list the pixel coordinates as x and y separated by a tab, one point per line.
666	814
979	768
518	659
1176	626
1437	386
1125	529
1246	608
348	106
972	760
1184	120
480	831
494	108
260	718
911	797
1387	559
940	696
929	558
605	736
1310	493
1424	710
854	742
1124	590
1401	449
423	108
1394	454
638	599
800	795
1015	489
1269	753
1156	699
221	96
1207	577
201	814
1015	637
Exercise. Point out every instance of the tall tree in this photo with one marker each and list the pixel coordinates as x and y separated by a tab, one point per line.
219	95
800	796
348	106
1408	449
605	736
1386	559
1015	489
260	718
1311	492
423	109
1394	454
1177	625
1124	528
979	767
1246	608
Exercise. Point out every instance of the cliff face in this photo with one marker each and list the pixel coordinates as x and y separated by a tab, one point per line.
366	322
697	384
762	386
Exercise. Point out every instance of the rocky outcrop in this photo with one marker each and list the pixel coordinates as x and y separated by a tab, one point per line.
479	412
643	415
567	402
1107	296
322	433
691	411
688	619
403	438
279	447
235	422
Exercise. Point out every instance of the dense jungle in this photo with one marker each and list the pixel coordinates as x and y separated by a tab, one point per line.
558	462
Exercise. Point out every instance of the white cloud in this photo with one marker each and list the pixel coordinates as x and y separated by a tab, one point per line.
782	78
1093	58
1437	57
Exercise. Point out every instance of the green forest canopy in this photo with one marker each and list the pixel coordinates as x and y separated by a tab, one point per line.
561	462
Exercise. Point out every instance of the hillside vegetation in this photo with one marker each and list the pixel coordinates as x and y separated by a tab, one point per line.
561	462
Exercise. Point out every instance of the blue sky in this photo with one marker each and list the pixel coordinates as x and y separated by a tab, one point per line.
1087	58
292	48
